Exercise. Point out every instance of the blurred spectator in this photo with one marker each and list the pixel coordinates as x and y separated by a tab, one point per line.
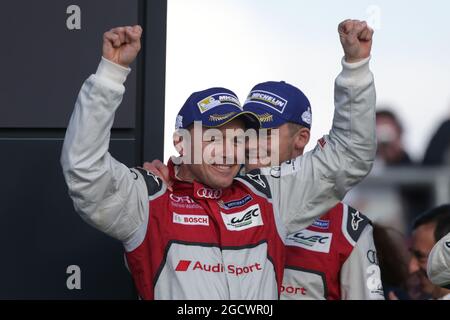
438	151
393	258
428	228
385	204
390	144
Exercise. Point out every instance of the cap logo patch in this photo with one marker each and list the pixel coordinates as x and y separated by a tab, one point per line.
265	117
307	116
179	122
267	99
216	100
221	117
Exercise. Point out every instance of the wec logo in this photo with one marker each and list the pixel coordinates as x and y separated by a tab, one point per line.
249	218
311	240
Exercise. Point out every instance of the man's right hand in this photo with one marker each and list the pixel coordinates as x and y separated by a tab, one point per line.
356	39
121	45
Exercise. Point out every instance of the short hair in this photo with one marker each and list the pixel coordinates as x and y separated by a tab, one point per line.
442	227
294	128
439	216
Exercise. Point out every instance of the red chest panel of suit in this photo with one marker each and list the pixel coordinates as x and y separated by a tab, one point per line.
314	258
208	243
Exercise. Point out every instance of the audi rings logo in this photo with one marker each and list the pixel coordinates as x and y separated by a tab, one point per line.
209	193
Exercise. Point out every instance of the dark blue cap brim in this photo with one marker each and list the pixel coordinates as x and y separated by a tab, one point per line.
268	120
250	119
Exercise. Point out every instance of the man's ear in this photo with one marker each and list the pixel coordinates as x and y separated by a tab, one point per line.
178	143
301	138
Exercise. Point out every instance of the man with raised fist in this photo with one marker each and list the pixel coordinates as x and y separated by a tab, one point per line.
211	236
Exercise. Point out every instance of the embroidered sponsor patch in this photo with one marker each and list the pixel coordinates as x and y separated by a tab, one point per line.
246	219
235	203
216	100
310	240
265	117
221	117
189	219
268	99
307	116
321	224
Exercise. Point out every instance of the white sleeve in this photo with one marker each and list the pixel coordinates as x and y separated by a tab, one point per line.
106	194
360	276
313	183
438	268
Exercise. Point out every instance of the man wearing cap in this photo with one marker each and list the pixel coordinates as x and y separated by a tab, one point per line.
211	236
335	257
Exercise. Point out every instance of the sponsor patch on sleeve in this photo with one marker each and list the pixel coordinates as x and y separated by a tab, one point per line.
321	224
311	240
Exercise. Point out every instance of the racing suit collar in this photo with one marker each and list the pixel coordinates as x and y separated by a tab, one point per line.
199	190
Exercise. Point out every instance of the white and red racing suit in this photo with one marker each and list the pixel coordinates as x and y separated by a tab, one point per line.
200	243
334	258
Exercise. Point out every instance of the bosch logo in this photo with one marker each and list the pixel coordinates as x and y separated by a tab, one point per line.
201	220
209	193
188	265
447	244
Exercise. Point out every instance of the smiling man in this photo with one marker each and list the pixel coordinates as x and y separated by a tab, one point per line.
211	236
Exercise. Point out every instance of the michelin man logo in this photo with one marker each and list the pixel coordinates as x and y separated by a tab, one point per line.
307	116
179	122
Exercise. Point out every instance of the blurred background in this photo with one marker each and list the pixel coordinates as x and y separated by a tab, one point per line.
52	46
239	43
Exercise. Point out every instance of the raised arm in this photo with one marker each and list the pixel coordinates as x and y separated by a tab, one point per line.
107	194
313	183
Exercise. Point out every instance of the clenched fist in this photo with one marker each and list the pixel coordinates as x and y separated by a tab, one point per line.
356	39
121	45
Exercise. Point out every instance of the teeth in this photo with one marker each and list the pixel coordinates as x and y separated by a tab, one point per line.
222	166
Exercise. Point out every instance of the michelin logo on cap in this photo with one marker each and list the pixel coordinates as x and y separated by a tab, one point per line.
179	122
307	116
216	100
268	99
